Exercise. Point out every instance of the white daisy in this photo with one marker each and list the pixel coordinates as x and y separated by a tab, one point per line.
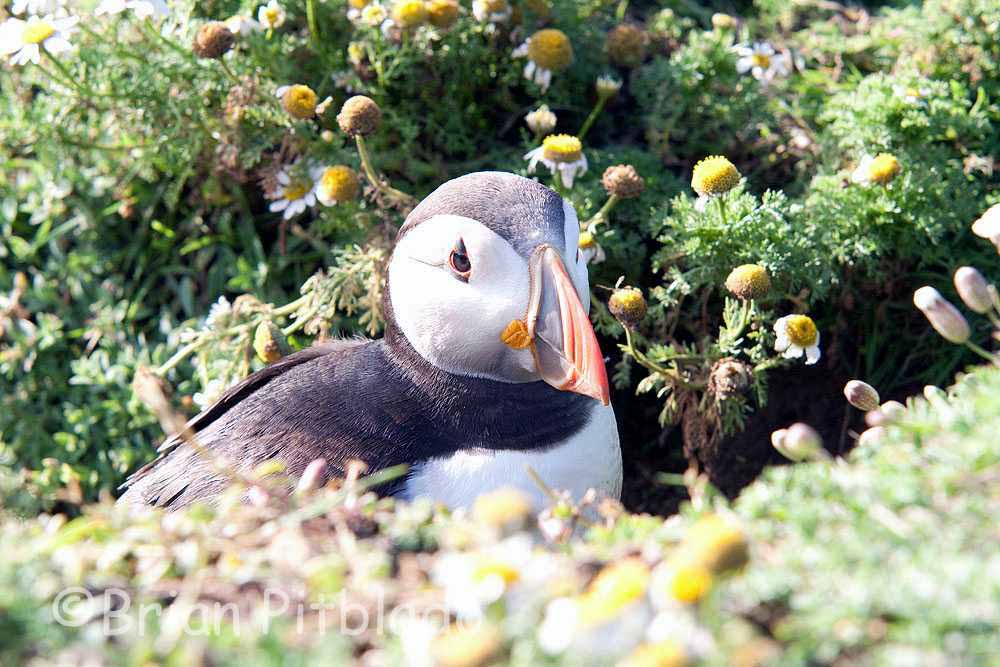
761	61
562	154
242	25
210	394
548	50
142	8
37	7
24	40
296	191
911	94
541	121
797	335
218	314
492	11
272	15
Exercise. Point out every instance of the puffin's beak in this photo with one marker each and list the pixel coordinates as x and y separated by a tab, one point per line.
566	352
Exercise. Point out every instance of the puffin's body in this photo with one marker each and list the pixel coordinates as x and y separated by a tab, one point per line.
441	392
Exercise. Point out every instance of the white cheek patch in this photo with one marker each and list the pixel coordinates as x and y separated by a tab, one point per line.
453	324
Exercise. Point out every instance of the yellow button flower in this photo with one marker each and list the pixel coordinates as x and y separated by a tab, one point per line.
749	281
714	175
410	13
878	170
337	184
298	101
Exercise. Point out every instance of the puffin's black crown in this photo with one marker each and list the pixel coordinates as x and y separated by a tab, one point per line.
518	209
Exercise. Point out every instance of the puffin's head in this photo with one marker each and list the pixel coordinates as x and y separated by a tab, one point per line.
486	280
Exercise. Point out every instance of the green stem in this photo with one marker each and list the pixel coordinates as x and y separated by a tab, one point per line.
151	30
378	183
722	208
225	67
313	25
602	215
196	345
983	353
81	88
622	9
594	113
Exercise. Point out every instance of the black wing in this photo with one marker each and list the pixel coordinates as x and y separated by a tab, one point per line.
165	491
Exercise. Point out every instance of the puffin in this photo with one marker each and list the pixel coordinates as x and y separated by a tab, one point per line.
488	365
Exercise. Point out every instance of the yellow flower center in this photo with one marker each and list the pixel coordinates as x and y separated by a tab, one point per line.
495	6
801	330
358	4
501	507
586	241
913	92
883	168
495	568
550	49
662	654
299	101
617	585
691	583
442	13
339	182
714	175
562	148
271	15
410	13
295	190
761	60
716	544
373	14
37	32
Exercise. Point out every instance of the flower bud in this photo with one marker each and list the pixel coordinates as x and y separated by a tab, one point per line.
607	86
269	342
729	377
506	507
212	40
749	281
887	413
626	45
628	306
872	436
798	442
861	395
467	645
298	101
541	121
988	225
312	476
360	115
722	21
623	181
944	317
974	290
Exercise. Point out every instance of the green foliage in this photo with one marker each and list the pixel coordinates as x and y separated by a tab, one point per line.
880	558
136	181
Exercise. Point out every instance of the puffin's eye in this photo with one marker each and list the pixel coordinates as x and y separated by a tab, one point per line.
459	261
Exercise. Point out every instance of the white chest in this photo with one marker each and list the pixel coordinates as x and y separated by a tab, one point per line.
591	458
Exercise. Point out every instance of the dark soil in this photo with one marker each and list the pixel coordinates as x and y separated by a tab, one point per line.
810	394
